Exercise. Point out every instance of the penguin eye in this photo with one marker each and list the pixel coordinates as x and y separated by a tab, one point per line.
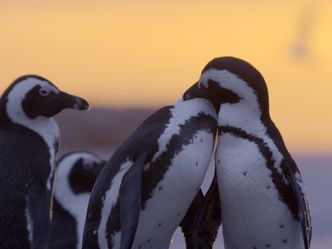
44	92
87	166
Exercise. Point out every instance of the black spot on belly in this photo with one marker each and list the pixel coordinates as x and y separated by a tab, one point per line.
160	224
267	245
160	188
201	140
218	161
196	163
268	187
254	247
149	240
281	226
140	246
178	214
284	241
244	173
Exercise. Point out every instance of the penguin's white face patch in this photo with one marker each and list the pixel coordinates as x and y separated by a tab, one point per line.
18	93
231	82
246	112
63	191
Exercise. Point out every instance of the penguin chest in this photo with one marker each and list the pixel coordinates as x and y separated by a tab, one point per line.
170	199
252	213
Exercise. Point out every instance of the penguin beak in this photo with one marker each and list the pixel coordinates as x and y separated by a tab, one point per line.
195	92
68	101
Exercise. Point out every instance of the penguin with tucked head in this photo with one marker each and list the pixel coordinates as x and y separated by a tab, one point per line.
75	176
29	139
145	190
263	203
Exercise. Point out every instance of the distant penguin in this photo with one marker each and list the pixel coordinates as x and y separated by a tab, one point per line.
261	191
28	145
75	176
143	193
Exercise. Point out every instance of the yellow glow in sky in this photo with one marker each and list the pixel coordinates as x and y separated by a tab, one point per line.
146	53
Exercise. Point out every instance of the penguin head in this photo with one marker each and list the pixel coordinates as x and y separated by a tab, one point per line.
78	171
32	97
233	81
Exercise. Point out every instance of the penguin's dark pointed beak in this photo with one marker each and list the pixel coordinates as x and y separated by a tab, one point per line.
195	92
69	101
202	90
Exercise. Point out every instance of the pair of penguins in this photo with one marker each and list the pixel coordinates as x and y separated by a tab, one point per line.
151	184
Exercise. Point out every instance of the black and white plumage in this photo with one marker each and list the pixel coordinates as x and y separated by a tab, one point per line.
261	191
75	176
28	145
146	188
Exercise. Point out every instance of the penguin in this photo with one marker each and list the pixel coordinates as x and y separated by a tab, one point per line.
29	138
263	202
144	191
75	176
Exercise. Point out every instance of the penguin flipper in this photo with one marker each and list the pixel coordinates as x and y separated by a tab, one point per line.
130	196
202	221
290	170
38	206
188	220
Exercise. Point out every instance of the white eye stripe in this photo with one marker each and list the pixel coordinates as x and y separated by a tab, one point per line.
46	87
203	83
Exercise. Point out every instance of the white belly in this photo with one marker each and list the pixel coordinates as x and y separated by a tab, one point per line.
252	214
172	197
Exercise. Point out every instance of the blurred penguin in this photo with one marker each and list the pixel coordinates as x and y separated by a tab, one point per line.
75	176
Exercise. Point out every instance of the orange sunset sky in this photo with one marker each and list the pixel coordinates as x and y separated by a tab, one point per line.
126	54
